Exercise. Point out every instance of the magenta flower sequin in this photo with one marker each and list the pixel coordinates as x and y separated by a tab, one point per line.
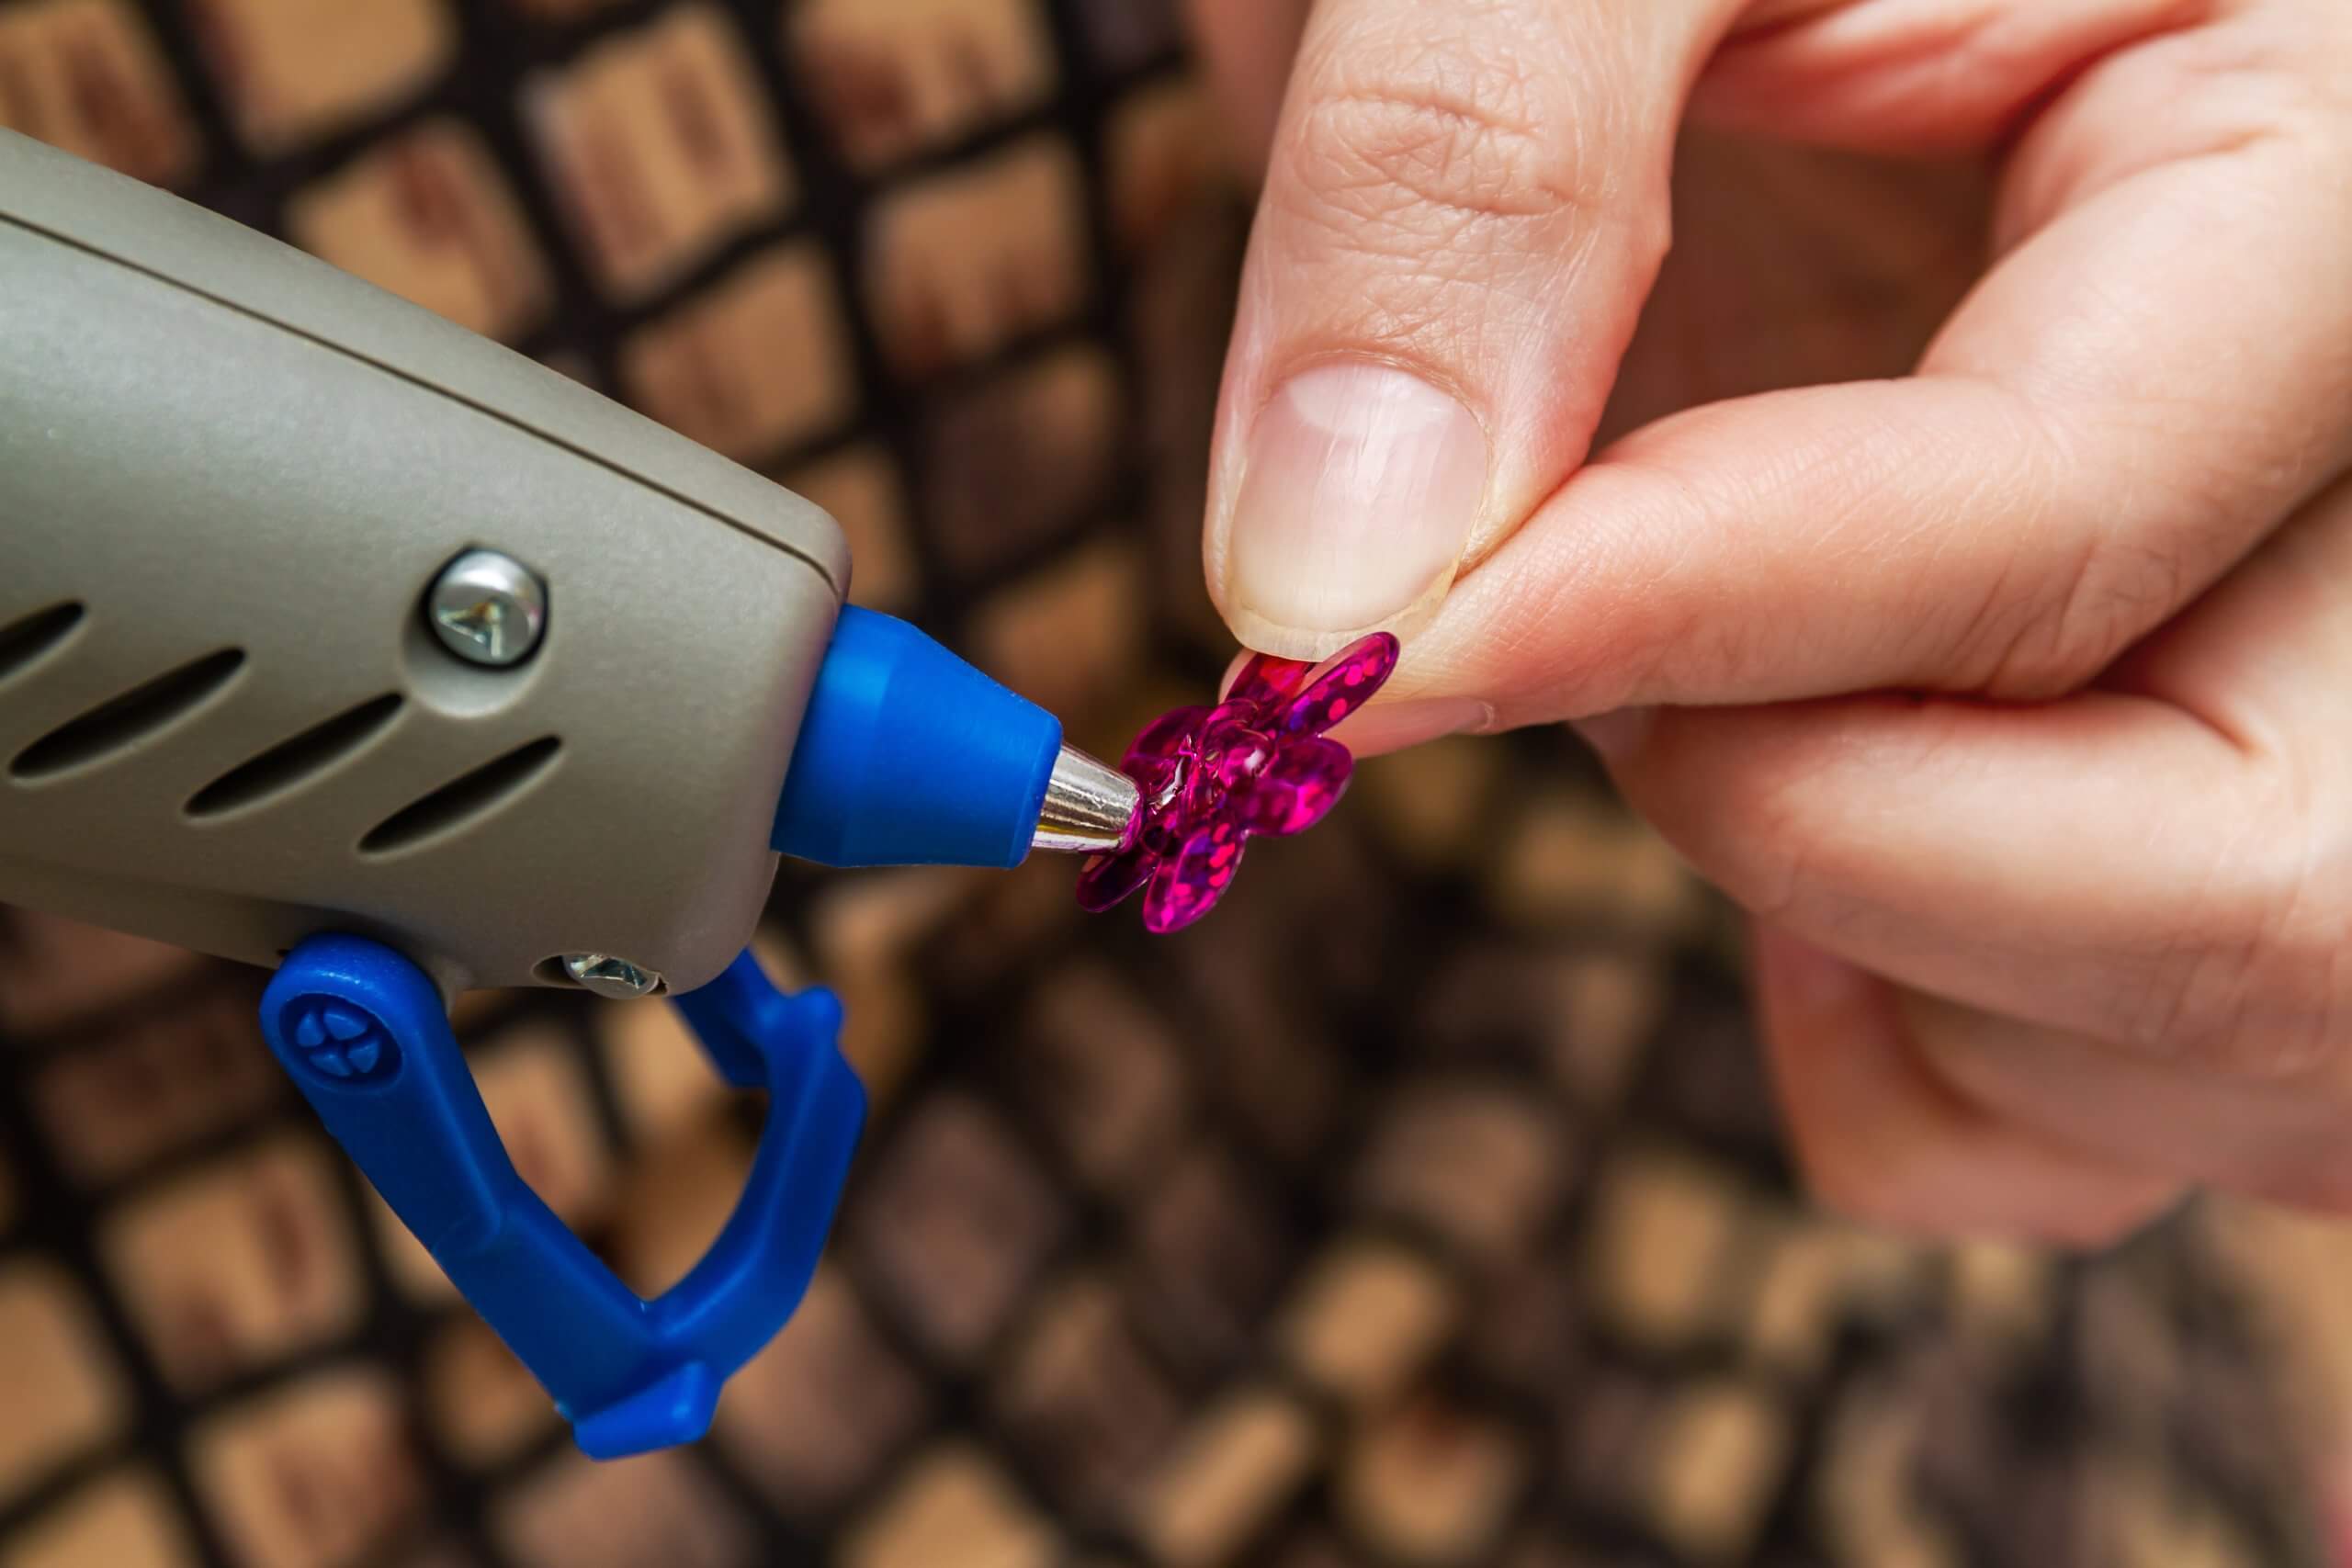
1212	777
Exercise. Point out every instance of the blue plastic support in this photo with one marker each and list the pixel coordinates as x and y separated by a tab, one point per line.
362	1031
909	756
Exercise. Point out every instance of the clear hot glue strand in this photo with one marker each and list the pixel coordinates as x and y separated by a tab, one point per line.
1212	777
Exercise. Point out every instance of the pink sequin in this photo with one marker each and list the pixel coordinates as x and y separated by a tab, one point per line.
1212	777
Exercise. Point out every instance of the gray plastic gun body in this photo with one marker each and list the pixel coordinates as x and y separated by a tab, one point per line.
335	634
230	476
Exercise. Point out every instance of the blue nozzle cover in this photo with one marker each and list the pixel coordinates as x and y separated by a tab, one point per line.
909	756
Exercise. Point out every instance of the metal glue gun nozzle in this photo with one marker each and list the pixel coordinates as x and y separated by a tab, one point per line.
1090	807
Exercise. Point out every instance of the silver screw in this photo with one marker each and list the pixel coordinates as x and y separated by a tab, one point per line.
610	976
487	608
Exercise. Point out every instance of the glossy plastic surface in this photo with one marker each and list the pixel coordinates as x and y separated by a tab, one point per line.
909	756
363	1033
1258	762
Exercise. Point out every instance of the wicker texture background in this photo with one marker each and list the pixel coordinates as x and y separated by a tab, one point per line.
1424	1206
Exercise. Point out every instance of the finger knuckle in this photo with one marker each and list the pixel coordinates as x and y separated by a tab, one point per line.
2303	949
1716	803
2261	81
2045	628
1440	143
1900	1196
1758	829
2109	600
2094	1223
1840	1187
2191	1006
2046	622
1935	1192
2255	981
2314	1179
1874	1185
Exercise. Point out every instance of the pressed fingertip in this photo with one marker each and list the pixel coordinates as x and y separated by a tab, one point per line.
1413	721
1357	498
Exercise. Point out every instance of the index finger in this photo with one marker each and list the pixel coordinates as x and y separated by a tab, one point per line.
2131	398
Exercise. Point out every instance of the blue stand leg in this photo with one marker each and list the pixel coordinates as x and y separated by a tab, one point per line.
362	1032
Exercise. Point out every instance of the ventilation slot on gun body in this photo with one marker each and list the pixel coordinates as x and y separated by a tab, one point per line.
291	763
122	724
462	801
26	642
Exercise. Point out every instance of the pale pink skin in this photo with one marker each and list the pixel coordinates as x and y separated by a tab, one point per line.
1966	557
1213	777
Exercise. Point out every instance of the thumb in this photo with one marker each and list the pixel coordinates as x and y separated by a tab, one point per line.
1465	207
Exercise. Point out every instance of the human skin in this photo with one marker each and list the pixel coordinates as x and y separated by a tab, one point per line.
1996	662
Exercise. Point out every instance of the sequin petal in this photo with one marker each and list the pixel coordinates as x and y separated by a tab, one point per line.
1265	681
1106	880
1305	780
1188	885
1210	777
1169	735
1341	684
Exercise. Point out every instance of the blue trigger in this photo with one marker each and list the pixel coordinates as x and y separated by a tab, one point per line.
361	1030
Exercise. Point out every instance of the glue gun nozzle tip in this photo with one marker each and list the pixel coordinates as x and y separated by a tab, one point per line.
1090	807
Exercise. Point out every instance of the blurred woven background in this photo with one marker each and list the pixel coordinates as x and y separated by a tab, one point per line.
1423	1207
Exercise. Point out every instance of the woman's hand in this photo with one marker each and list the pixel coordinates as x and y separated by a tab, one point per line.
2070	930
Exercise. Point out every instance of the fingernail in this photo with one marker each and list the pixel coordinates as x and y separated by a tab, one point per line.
1392	726
1618	734
1357	498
